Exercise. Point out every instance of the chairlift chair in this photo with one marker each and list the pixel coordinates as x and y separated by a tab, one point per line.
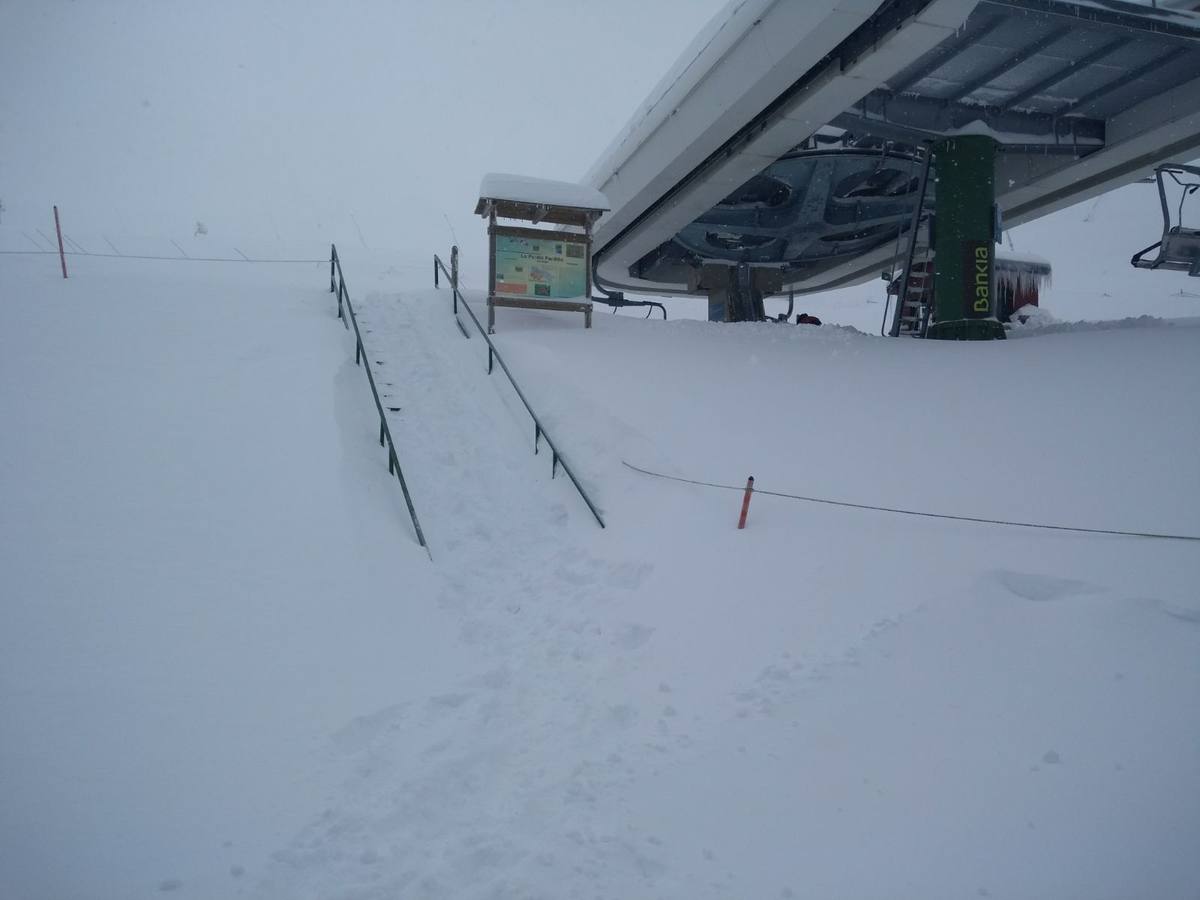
1179	248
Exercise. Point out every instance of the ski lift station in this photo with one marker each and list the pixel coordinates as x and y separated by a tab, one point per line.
797	147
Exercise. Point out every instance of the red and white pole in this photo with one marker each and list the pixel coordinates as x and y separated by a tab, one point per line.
746	502
62	256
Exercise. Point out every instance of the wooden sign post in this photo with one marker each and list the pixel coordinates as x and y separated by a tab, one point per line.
535	268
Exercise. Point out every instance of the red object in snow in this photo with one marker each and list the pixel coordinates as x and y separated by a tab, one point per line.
746	502
1019	281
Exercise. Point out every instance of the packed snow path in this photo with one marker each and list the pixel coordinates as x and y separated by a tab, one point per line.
260	687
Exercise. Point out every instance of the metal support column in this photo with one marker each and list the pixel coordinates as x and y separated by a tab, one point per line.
964	281
735	293
491	329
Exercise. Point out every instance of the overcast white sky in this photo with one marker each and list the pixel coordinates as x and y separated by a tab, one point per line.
290	116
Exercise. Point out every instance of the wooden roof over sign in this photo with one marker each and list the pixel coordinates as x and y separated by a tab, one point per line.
536	212
540	200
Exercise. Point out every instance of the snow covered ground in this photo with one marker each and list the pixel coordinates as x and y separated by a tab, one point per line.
195	535
227	670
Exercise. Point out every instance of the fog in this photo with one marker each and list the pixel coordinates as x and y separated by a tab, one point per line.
364	122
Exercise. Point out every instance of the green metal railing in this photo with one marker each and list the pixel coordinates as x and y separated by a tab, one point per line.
539	431
360	353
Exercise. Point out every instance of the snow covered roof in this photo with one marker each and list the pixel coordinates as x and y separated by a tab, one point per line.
540	192
1029	261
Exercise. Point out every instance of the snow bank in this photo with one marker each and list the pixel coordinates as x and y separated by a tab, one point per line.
198	534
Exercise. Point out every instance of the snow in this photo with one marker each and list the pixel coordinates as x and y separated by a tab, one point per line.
227	670
370	126
980	128
256	672
525	189
194	522
1033	259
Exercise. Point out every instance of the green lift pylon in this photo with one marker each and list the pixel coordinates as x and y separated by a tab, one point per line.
963	281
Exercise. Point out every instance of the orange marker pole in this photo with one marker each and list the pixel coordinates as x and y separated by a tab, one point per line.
746	502
62	257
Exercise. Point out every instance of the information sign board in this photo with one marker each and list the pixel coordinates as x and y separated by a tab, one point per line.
551	267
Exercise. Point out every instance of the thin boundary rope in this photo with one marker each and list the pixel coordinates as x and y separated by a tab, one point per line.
167	258
910	512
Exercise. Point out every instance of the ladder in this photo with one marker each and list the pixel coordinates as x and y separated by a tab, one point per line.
914	293
914	305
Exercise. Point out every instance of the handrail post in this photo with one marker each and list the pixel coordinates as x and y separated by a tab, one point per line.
436	283
62	256
494	357
360	356
454	275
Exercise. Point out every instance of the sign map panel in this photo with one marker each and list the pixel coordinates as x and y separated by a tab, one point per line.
546	268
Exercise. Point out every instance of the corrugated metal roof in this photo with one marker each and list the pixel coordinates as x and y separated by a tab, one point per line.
1037	71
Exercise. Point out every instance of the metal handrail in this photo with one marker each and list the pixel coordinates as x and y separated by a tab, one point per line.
539	430
360	353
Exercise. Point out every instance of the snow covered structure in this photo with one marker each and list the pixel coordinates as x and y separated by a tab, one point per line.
787	136
533	268
540	199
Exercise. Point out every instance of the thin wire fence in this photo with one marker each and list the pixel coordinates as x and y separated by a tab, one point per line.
911	512
235	259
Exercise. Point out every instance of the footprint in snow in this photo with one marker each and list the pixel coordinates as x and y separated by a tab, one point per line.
633	636
1041	588
628	575
622	715
1176	609
361	731
448	701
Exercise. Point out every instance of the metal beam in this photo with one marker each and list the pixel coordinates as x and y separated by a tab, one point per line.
1125	78
918	118
882	128
945	52
1079	151
908	135
1139	19
1021	55
1108	178
1071	68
